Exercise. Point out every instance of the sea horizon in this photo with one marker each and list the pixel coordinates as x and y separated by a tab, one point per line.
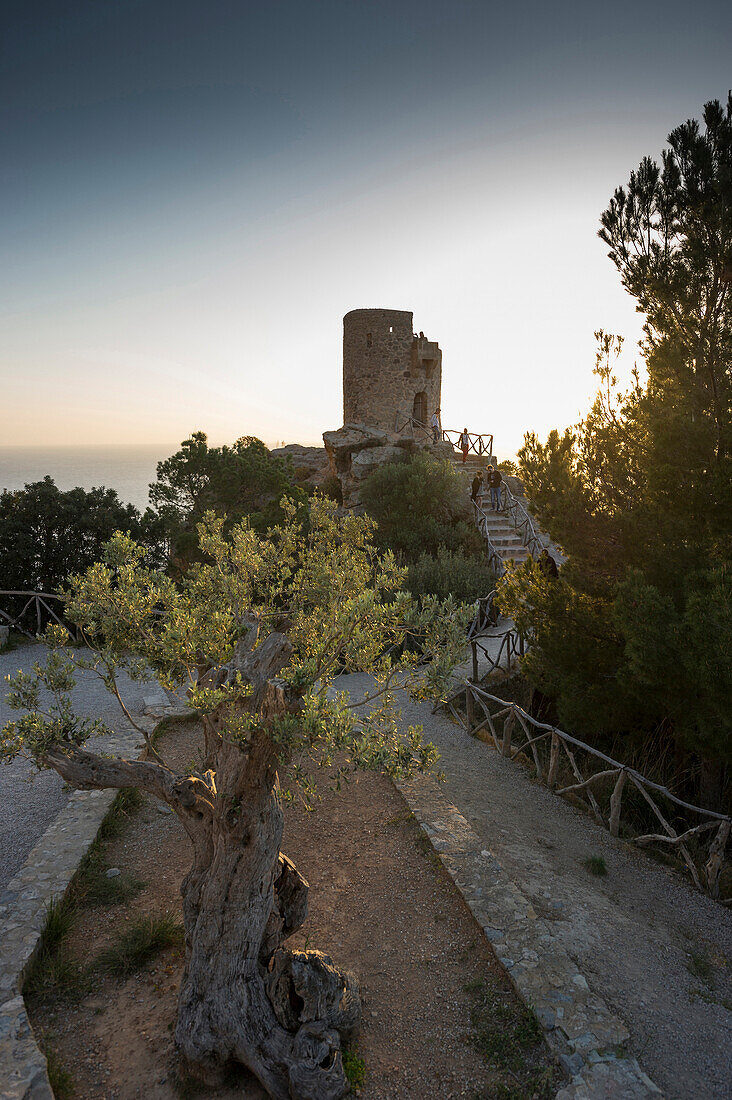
128	468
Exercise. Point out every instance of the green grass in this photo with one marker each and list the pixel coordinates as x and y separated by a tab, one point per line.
61	1081
354	1068
139	943
509	1037
55	976
124	804
92	886
60	916
52	972
596	865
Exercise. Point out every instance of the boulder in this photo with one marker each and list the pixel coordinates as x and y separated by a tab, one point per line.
355	450
365	462
311	464
352	438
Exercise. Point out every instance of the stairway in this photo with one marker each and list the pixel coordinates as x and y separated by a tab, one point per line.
502	533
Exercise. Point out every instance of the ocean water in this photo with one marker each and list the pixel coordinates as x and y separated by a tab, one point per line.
128	468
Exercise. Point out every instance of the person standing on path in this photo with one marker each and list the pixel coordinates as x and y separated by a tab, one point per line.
494	484
464	444
436	426
476	486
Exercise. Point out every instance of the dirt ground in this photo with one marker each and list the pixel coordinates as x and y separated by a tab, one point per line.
380	905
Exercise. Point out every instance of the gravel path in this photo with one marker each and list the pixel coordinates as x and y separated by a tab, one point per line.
29	799
637	935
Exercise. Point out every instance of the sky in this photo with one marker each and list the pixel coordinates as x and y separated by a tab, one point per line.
192	195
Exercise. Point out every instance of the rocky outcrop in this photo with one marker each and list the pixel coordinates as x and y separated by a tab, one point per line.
311	464
350	454
355	450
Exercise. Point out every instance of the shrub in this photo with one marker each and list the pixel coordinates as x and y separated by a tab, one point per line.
450	573
420	505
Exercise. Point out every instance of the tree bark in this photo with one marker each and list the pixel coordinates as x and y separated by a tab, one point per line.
243	996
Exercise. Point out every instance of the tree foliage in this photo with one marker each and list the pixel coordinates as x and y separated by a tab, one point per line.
420	505
450	573
635	634
256	632
47	534
242	480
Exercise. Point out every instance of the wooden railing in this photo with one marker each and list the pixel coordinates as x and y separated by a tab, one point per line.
486	615
416	426
514	733
479	444
36	608
512	646
495	560
522	521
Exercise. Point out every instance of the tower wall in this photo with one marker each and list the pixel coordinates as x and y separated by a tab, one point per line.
387	370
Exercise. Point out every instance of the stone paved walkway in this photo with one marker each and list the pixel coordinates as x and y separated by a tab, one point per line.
30	800
641	937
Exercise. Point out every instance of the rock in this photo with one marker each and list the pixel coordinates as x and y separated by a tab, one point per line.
311	464
353	437
355	450
112	872
365	462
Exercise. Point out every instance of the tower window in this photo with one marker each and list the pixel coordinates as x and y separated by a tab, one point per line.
369	341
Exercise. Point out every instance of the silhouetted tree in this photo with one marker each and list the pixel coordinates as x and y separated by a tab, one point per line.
636	635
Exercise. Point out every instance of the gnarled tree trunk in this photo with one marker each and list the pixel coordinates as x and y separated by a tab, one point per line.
244	996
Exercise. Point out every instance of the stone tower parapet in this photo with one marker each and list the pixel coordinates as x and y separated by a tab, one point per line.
388	370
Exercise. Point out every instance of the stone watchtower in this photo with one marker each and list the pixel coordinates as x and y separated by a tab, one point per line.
388	372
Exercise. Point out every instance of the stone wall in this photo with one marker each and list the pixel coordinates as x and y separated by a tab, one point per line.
387	370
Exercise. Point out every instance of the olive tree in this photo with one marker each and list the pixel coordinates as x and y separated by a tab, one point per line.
256	633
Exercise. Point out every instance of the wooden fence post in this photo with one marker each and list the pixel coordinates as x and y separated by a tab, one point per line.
713	866
615	800
474	648
469	708
508	724
551	779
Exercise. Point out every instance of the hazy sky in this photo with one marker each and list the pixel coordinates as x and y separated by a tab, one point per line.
194	193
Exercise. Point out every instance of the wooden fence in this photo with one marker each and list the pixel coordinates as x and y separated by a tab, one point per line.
478	443
35	609
495	561
511	647
514	732
486	615
522	521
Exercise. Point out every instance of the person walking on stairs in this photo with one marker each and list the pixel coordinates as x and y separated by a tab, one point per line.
436	426
464	444
476	486
494	484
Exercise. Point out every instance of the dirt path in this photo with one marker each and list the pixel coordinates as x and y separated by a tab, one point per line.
380	903
657	951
